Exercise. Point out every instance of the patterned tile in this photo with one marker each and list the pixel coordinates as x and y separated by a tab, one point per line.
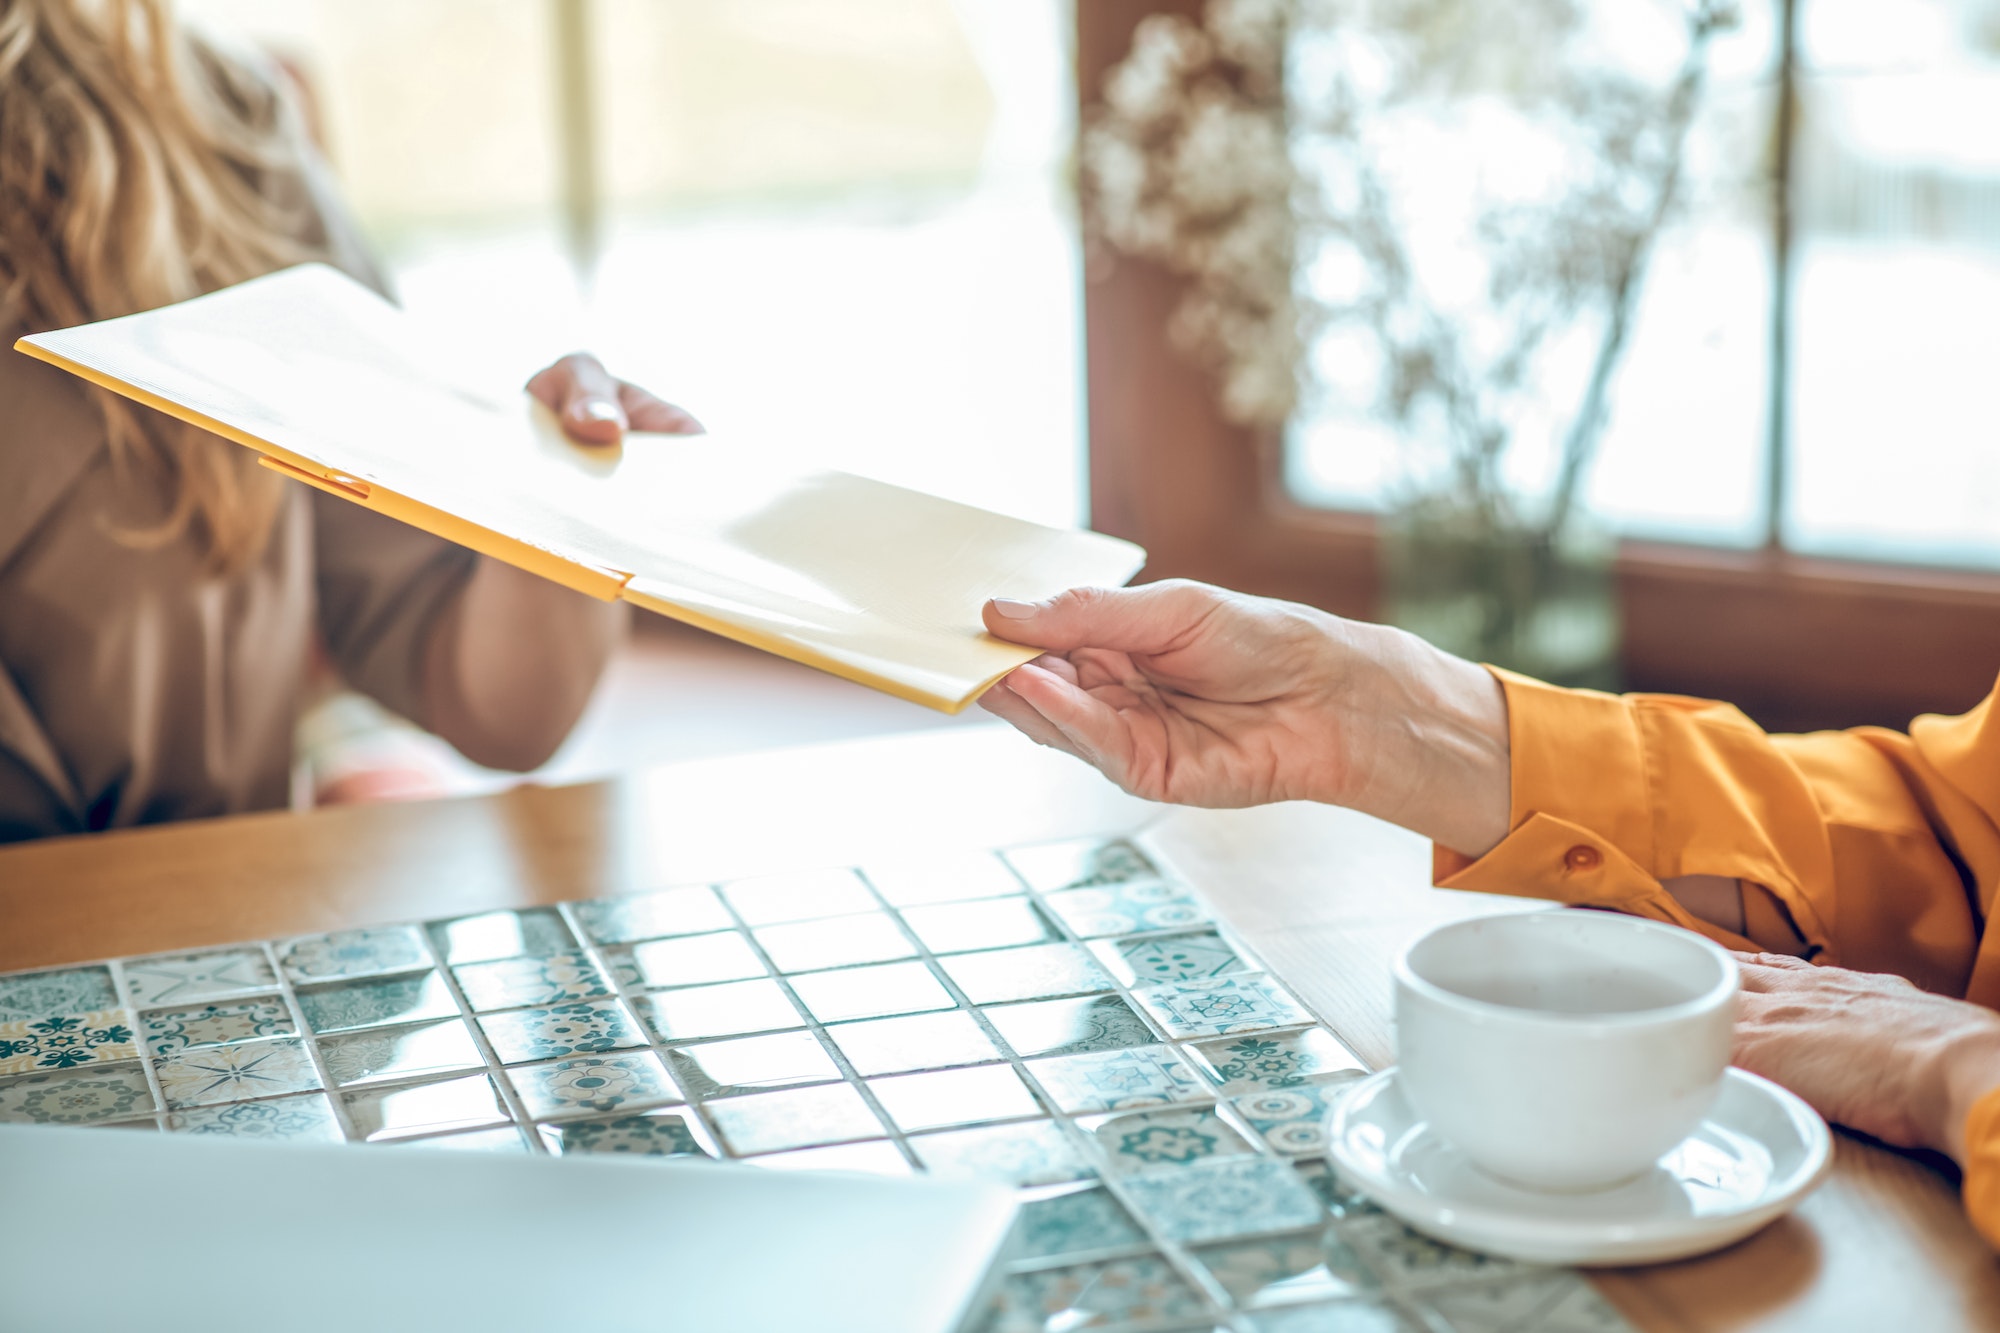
1404	1259
1245	1002
1291	1120
685	911
383	1054
915	1041
505	1139
76	1096
1150	1140
511	982
944	877
1554	1303
871	992
1361	1316
1078	1221
382	1114
751	1064
877	1157
668	1134
168	1030
1258	1064
1070	1027
1036	1153
362	1004
1148	960
178	978
563	1029
1143	1289
1311	1266
1040	971
1081	863
237	1072
798	897
944	1097
717	1011
1114	1080
1222	1198
688	960
75	990
589	1083
353	953
64	1041
839	941
992	924
1334	1193
1124	909
537	933
798	1118
295	1118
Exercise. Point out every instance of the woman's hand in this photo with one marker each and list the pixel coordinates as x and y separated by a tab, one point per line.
1868	1051
594	408
1182	692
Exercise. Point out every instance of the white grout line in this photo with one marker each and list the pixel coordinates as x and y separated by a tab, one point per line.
297	1011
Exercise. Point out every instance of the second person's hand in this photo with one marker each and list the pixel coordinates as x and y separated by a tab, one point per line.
596	408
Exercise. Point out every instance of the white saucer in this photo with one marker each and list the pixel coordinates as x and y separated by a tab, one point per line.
1759	1152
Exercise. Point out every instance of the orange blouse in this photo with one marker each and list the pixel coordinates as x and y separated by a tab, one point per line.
1880	850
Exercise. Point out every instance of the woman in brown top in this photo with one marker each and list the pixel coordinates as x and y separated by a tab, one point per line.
159	593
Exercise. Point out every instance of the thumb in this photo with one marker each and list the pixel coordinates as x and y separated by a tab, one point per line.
1149	619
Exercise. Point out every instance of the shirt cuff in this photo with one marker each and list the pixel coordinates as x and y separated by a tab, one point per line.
1982	1167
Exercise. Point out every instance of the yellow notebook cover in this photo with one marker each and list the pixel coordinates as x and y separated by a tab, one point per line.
335	387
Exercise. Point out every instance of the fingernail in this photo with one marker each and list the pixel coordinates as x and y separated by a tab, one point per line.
597	410
1014	610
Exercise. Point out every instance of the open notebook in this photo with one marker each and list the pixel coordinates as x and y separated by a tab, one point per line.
334	386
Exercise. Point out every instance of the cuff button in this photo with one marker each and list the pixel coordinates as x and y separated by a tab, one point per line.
1581	857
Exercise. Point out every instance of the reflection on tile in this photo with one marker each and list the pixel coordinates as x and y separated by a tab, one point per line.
380	1055
1550	1303
76	1096
666	1134
684	911
64	1041
379	1114
1334	1194
995	923
797	1118
361	1004
1148	1140
1361	1316
1244	1002
717	1011
353	953
1125	909
589	1083
1223	1198
510	982
491	935
1037	972
751	1064
954	1097
1292	1120
234	1073
869	992
1114	1080
878	1157
177	978
915	1041
1313	1265
1081	863
1079	1221
1070	1027
840	941
563	1029
1143	1289
1035	1153
798	897
73	990
942	877
506	1139
295	1118
168	1030
690	960
1259	1064
1148	960
1405	1259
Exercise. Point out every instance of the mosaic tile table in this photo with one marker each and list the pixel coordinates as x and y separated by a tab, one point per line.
1063	1018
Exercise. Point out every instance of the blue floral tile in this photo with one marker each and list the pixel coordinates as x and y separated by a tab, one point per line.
1081	863
538	933
64	1041
1115	1080
1353	1316
994	923
1035	1153
506	1140
1140	1290
798	897
382	1055
353	953
1149	1140
380	1115
729	1010
693	910
1284	1060
84	1096
871	992
1070	1027
662	1135
687	960
75	990
1125	909
179	978
941	1097
1223	1198
362	1004
1312	1265
840	941
236	1072
1292	1120
1037	972
587	1083
168	1030
512	982
914	1041
876	1157
563	1029
1149	960
751	1064
1412	1262
945	877
1076	1222
1244	1002
1546	1303
307	1119
795	1118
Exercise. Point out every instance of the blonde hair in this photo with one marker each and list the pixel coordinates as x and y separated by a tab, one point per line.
135	165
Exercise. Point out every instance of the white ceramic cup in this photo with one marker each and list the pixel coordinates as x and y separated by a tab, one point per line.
1563	1051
